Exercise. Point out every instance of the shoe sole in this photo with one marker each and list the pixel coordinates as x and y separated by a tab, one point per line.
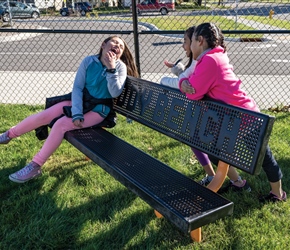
23	181
5	143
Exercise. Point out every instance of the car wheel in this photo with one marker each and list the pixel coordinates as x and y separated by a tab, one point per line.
35	15
6	17
64	13
163	11
83	12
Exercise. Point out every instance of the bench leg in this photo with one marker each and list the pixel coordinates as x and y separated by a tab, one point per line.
220	176
196	235
158	215
215	185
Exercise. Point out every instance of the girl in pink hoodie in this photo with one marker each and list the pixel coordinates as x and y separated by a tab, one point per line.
236	182
213	77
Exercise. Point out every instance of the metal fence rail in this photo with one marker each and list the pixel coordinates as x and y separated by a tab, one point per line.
39	57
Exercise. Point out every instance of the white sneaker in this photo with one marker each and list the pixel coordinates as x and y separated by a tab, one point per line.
4	138
30	171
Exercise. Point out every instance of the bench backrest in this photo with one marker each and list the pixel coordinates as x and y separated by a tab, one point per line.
234	135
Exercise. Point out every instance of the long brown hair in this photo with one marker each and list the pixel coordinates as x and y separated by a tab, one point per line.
126	57
189	32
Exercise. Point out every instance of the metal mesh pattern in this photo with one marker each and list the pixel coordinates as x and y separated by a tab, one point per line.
234	135
158	184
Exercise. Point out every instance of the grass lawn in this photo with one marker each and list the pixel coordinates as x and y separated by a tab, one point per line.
77	205
283	24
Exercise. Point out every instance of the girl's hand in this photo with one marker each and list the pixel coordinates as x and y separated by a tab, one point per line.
110	60
78	123
168	64
186	87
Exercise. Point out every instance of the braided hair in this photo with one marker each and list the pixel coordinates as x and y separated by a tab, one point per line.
212	34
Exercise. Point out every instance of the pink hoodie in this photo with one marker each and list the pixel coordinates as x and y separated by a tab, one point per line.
214	77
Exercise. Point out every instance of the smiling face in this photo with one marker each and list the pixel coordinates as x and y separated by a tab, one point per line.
114	45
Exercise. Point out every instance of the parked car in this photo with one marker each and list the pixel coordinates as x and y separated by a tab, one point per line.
18	10
162	6
81	7
31	5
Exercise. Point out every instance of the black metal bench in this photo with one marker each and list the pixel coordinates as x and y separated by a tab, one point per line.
236	136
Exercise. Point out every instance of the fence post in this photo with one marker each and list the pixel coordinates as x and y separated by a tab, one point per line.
136	35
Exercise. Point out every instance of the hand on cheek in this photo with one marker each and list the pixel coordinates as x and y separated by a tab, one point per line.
110	60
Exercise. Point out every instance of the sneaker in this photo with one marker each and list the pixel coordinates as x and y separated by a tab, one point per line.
4	138
206	180
30	171
231	186
273	198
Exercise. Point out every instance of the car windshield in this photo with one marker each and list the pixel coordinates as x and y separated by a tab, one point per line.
5	4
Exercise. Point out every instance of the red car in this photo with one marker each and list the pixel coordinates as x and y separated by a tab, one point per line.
162	6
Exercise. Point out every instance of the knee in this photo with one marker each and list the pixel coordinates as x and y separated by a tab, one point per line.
62	125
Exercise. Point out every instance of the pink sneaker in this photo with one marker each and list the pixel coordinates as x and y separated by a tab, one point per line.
30	171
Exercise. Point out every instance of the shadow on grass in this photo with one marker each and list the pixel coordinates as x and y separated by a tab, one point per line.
31	213
121	236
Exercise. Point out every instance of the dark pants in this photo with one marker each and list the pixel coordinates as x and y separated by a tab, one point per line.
269	165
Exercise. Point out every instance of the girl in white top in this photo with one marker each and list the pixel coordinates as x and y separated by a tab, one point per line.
179	69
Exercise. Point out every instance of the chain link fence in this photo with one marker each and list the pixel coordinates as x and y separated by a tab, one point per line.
40	56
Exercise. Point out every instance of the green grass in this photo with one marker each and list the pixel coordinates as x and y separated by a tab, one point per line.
183	22
77	205
283	24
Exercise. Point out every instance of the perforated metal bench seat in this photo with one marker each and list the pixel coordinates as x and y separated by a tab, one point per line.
178	198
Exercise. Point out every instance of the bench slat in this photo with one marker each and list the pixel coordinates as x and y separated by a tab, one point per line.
180	199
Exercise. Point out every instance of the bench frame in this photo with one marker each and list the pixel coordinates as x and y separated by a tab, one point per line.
236	136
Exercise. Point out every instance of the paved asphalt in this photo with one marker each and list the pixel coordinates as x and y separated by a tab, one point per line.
267	90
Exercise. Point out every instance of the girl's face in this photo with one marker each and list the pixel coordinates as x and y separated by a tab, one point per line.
114	46
186	45
197	46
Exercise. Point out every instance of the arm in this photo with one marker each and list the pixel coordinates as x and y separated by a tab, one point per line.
117	80
201	81
77	92
189	71
176	68
173	81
